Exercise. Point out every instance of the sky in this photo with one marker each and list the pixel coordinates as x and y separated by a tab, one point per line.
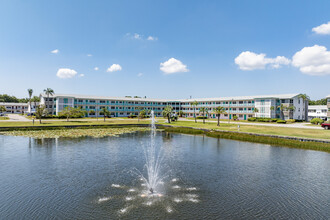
165	49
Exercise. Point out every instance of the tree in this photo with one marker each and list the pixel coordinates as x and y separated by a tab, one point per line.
105	112
272	108
2	109
92	112
304	97
40	112
142	113
70	112
204	111
218	111
317	102
180	113
167	112
282	108
30	92
255	111
48	92
194	104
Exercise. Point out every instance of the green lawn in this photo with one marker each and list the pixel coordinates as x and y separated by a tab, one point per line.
294	132
77	122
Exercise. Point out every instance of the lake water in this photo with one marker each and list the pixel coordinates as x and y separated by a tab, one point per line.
207	178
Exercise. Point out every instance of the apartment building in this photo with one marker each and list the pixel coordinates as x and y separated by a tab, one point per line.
317	111
14	108
242	107
328	106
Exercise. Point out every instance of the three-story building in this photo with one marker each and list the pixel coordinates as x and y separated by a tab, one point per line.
242	107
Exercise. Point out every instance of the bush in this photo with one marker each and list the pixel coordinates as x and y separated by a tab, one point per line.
132	116
316	121
263	119
252	119
201	117
273	120
290	121
281	121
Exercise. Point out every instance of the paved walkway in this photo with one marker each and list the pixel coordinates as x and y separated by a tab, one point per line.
293	125
17	117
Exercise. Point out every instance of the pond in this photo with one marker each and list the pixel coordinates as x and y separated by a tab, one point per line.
204	178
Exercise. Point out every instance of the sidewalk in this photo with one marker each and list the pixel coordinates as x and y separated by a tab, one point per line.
293	125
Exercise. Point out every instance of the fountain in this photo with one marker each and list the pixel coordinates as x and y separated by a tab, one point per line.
153	187
154	158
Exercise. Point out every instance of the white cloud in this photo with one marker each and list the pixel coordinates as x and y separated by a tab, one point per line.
313	60
151	38
173	66
81	75
55	51
137	36
250	61
89	55
114	67
96	68
322	29
65	73
140	74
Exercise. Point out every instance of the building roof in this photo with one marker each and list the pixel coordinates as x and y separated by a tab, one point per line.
328	96
13	103
317	107
281	96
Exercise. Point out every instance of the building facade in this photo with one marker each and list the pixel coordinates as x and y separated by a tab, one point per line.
241	107
328	106
14	108
317	111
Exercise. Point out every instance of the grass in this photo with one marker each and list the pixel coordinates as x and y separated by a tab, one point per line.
254	138
74	133
283	131
219	132
72	122
3	118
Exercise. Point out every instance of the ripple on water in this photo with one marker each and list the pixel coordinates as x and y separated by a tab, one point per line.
115	186
104	199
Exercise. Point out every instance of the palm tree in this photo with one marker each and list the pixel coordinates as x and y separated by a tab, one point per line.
105	112
92	112
180	113
40	112
35	99
204	111
282	108
30	91
306	99
194	104
167	112
218	111
49	92
2	109
255	111
272	108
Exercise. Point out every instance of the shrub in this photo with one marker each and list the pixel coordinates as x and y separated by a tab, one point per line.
201	117
290	121
252	119
281	121
316	121
235	117
273	120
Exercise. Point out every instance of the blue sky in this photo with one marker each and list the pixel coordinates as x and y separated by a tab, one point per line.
205	48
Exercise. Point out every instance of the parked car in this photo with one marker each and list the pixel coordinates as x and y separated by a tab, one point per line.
325	125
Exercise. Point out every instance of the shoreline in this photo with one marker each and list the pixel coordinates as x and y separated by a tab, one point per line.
275	140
